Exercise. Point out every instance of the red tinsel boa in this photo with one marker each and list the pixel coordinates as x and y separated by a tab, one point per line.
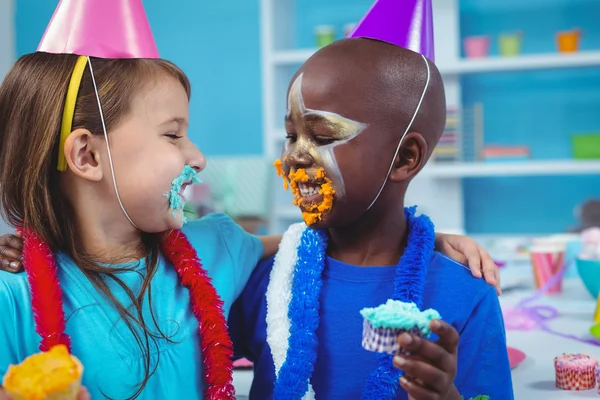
46	294
207	306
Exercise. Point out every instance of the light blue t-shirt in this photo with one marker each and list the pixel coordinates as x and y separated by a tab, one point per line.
101	340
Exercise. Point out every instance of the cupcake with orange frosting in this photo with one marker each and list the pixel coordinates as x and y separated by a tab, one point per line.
52	375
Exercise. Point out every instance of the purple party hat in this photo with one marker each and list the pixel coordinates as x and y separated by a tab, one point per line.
404	23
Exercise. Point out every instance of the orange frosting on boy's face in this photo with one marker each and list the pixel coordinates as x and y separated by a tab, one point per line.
313	192
308	164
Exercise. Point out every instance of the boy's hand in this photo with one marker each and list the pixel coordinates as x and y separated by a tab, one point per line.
11	247
430	369
466	251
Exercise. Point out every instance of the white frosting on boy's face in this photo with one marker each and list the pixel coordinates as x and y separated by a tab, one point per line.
317	134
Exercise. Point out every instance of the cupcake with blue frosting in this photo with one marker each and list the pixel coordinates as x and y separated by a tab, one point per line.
384	324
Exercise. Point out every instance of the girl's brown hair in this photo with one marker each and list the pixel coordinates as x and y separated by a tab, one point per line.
31	104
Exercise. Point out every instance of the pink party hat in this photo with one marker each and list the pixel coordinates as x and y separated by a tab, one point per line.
404	23
100	28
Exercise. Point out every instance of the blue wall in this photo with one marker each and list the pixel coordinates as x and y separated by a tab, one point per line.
216	43
539	109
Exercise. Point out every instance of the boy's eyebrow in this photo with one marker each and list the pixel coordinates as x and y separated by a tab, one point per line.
342	125
316	116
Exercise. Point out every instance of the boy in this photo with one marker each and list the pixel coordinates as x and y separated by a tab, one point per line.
364	115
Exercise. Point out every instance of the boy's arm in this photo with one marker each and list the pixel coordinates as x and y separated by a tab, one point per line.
483	365
270	245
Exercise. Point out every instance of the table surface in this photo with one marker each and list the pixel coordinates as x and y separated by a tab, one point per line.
534	378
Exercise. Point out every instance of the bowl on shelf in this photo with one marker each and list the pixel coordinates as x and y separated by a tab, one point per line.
589	272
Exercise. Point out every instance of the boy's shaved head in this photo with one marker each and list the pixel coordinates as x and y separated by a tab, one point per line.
363	94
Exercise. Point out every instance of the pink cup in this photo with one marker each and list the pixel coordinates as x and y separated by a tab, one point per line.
477	46
547	260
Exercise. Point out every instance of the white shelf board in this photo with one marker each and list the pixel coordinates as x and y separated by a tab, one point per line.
291	57
524	62
480	65
525	168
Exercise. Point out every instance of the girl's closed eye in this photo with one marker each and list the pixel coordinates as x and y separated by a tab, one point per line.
291	137
173	136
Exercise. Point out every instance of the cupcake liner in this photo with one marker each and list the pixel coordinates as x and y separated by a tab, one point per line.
385	340
597	373
575	377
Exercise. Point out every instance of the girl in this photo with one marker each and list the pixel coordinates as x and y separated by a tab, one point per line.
127	314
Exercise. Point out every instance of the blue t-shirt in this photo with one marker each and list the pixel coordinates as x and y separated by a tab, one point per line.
342	366
112	360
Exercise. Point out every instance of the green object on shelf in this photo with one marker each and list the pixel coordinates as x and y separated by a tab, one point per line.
586	146
325	35
510	44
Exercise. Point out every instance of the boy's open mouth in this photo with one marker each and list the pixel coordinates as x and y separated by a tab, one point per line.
312	191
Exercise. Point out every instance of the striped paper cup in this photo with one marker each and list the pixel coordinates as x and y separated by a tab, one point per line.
546	261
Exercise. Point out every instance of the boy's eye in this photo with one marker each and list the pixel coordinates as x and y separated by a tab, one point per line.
324	140
173	136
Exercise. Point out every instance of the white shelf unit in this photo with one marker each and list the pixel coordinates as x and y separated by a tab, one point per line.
525	168
437	180
482	65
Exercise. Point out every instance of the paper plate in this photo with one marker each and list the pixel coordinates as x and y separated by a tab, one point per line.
515	357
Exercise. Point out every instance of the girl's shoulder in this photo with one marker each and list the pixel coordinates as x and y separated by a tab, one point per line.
211	230
226	251
210	222
17	329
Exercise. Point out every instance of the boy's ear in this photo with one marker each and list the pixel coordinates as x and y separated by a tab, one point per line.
410	159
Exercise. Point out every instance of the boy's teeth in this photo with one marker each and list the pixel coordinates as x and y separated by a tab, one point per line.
307	189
